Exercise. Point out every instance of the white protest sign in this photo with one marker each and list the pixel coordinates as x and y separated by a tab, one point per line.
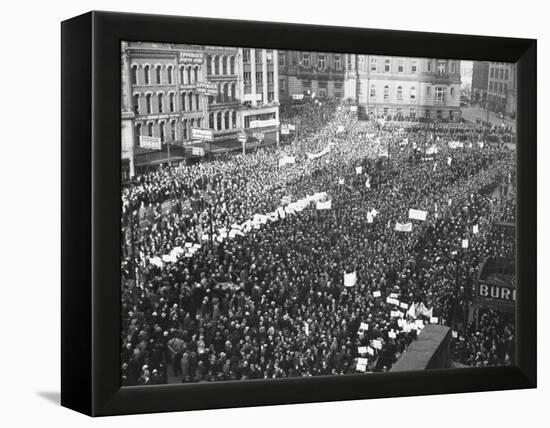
417	214
376	294
359	170
464	243
434	320
392	335
324	205
362	350
350	279
403	227
364	326
476	228
377	344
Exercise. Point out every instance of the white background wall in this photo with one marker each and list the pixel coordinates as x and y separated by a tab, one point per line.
30	215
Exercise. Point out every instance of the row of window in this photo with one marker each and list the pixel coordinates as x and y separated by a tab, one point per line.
499	73
258	54
247	77
498	87
323	60
154	75
227	92
168	129
439	93
412	113
220	120
160	103
220	65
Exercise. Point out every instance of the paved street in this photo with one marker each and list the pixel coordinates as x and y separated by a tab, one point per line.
473	113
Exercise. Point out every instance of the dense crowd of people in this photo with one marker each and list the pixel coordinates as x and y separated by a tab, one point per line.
270	301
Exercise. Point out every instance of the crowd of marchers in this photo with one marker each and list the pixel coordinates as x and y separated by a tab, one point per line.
270	302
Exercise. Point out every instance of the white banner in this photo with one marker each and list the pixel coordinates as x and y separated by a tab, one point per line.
417	214
318	155
403	227
456	145
287	160
297	96
358	169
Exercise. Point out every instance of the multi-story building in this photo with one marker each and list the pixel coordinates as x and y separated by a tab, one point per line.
316	73
480	82
501	93
163	96
223	65
259	88
404	87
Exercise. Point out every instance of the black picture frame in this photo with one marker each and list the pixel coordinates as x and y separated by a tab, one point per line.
90	154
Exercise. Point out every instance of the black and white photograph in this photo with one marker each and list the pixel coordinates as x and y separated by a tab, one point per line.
292	214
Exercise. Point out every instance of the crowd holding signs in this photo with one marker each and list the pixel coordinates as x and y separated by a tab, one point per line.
265	270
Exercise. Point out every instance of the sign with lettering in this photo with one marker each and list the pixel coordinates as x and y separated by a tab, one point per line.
202	134
501	293
191	57
149	142
207	88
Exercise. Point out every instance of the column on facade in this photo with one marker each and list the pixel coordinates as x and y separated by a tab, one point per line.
253	75
276	78
264	75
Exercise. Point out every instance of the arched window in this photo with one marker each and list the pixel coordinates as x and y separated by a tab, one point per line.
224	65
189	75
170	75
226	92
161	131
182	76
199	122
183	101
138	133
399	93
413	93
197	102
192	124
136	103
386	92
159	75
173	130
184	129
233	94
147	75
219	94
232	65
190	101
373	91
150	129
211	121
216	68
219	120
134	75
226	120
196	74
172	101
209	65
161	103
234	119
149	104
